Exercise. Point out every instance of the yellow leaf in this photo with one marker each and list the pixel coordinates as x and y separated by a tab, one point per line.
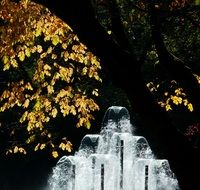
66	55
73	110
30	139
49	50
68	146
50	89
84	71
37	105
162	104
55	40
190	107
21	55
22	150
37	147
64	46
39	49
27	52
62	146
34	49
42	146
88	124
28	86
38	32
166	93
53	56
95	92
97	78
168	107
109	32
52	145
14	63
43	55
55	154
15	149
185	101
26	103
47	67
54	112
24	116
6	94
176	100
6	66
5	59
9	152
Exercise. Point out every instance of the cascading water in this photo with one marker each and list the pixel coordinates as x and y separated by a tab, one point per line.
113	160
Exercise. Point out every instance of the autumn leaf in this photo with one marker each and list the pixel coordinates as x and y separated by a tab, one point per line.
51	78
54	154
5	59
168	107
55	40
27	52
21	55
88	124
190	107
54	112
15	149
42	146
95	92
62	146
68	147
26	103
37	147
38	32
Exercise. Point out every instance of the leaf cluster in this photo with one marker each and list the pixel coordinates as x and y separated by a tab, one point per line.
54	75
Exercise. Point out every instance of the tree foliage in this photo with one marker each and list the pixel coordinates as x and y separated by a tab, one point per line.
145	42
47	73
149	27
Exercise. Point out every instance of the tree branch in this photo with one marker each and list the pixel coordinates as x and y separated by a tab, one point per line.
183	75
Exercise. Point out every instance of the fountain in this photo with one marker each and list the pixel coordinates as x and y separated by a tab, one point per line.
113	160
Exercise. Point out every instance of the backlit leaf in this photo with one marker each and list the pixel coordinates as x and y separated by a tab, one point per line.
51	78
55	40
26	103
27	52
5	59
54	154
190	107
21	55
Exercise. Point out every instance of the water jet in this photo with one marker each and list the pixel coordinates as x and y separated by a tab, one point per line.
115	159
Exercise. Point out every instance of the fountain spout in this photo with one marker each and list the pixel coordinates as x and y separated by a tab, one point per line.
115	159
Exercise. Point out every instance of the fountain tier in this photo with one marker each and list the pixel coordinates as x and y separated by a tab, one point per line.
113	160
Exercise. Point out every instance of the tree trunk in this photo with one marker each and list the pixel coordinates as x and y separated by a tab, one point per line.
175	67
125	72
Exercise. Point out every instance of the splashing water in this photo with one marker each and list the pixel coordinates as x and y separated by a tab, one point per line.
113	160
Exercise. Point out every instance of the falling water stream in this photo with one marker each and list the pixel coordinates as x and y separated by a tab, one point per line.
115	159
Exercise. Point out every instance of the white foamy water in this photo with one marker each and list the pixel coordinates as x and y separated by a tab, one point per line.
115	159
